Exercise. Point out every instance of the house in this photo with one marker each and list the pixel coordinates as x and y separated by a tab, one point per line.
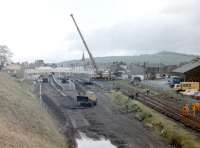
13	68
39	63
190	71
136	69
151	69
119	69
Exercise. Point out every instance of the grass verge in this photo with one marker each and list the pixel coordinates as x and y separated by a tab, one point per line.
175	133
24	123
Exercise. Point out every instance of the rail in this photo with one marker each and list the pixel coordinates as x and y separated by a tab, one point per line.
57	84
165	108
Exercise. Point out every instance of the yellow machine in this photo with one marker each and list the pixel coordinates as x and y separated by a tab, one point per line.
91	95
183	86
88	99
194	109
185	110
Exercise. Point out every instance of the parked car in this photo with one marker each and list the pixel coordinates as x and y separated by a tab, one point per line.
190	92
174	80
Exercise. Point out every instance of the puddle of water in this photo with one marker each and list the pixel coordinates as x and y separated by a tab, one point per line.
86	142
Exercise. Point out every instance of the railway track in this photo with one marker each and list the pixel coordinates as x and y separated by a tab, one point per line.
101	120
165	108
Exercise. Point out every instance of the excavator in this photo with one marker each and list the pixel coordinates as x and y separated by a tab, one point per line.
85	98
195	108
98	75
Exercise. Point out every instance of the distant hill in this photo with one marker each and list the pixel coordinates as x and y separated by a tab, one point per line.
167	58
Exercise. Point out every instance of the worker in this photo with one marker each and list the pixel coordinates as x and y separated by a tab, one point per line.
148	91
131	97
127	108
185	110
136	95
195	107
113	85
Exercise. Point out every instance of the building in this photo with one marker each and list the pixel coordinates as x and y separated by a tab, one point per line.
190	71
39	63
151	70
136	69
119	69
13	68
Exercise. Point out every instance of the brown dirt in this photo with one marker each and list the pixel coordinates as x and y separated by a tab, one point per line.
105	120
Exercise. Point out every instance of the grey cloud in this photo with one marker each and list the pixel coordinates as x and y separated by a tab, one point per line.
179	33
142	37
187	9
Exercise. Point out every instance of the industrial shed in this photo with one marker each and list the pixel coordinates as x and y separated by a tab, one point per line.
190	72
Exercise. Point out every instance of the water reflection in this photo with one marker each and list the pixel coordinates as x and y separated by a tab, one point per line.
86	142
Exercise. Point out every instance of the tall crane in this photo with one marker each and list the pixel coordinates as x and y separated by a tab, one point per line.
94	65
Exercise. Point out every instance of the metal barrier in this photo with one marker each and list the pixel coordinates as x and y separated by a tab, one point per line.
56	83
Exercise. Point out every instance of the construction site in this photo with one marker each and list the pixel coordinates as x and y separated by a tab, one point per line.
155	106
141	101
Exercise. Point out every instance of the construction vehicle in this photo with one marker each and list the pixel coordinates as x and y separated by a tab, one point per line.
174	80
98	75
185	112
64	80
89	99
85	98
44	78
183	86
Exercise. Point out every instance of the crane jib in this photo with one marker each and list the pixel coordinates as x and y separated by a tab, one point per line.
85	44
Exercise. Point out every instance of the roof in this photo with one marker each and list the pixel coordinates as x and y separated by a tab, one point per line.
135	70
47	70
13	67
187	67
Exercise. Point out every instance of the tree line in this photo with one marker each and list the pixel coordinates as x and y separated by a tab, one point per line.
5	55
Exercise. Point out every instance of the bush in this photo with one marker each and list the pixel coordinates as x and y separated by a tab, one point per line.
175	134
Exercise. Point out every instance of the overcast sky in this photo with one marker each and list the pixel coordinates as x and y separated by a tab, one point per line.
43	29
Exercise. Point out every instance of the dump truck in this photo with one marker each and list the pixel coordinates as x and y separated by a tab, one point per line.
183	86
44	78
89	99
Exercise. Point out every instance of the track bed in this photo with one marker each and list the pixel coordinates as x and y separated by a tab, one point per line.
105	120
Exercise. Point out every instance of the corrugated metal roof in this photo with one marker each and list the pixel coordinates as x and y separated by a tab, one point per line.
187	67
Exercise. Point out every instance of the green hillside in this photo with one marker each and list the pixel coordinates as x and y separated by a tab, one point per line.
23	122
167	58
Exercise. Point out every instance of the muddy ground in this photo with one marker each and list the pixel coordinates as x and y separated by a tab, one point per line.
105	119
